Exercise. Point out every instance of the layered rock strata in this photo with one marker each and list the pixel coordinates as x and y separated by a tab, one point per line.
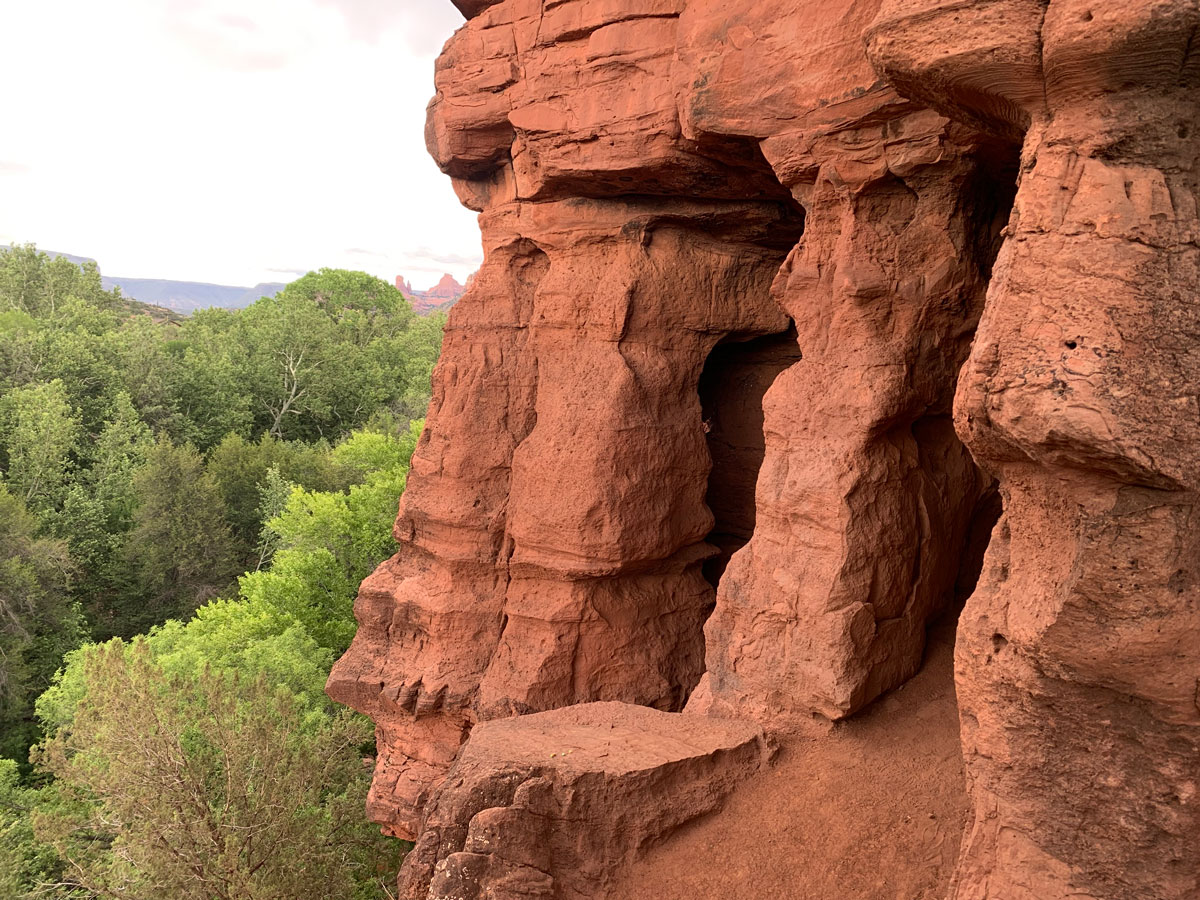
552	534
865	495
1078	663
558	804
694	436
637	200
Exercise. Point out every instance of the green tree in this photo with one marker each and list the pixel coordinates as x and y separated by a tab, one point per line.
34	283
327	542
240	469
180	544
39	621
204	759
39	438
25	862
212	785
149	371
98	515
212	386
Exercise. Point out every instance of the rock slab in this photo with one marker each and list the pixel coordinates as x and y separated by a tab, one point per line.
558	804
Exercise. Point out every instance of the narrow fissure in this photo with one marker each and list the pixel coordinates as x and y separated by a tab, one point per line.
735	379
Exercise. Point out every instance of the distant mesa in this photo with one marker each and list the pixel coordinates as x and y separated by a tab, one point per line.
441	296
189	296
180	296
186	297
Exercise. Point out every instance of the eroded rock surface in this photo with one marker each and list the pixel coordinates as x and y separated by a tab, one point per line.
1078	663
865	495
558	804
695	438
639	190
553	531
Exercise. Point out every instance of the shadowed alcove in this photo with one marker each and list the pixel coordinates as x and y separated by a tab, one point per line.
736	376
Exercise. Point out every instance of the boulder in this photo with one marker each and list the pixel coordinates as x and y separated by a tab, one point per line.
559	804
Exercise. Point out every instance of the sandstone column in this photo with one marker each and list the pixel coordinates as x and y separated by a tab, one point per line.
865	494
1078	662
552	534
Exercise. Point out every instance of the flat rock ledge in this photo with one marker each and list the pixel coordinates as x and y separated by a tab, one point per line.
558	804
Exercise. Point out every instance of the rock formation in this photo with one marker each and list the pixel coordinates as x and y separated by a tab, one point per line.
1078	666
556	804
441	296
447	288
854	549
693	435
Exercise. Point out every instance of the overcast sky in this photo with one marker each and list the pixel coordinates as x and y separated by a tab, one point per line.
233	141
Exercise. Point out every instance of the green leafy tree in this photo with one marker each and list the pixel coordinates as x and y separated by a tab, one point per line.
240	468
34	283
212	785
39	621
98	515
145	460
149	370
273	493
29	868
212	378
39	441
295	359
327	542
204	759
180	545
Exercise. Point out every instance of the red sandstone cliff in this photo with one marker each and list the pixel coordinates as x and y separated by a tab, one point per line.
699	437
441	296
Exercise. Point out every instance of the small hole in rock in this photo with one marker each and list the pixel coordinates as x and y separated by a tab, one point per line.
1178	581
1182	130
1071	345
999	642
1087	15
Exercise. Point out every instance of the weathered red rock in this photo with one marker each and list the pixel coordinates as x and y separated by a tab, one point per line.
855	547
558	804
594	527
730	278
553	528
1078	665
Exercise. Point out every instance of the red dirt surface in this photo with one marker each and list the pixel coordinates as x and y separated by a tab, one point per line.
873	809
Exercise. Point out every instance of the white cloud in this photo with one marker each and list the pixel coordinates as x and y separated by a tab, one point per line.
224	140
423	23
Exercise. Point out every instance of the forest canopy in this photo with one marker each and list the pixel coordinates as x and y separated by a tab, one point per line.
186	510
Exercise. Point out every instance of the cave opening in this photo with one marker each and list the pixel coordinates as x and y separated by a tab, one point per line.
735	379
989	196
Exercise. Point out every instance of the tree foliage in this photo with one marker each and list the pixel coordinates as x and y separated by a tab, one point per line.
181	545
39	621
214	785
204	758
201	498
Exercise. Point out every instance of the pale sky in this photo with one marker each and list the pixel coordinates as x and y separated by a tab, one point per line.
232	141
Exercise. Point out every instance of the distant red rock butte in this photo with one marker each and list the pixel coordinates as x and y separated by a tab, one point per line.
441	296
